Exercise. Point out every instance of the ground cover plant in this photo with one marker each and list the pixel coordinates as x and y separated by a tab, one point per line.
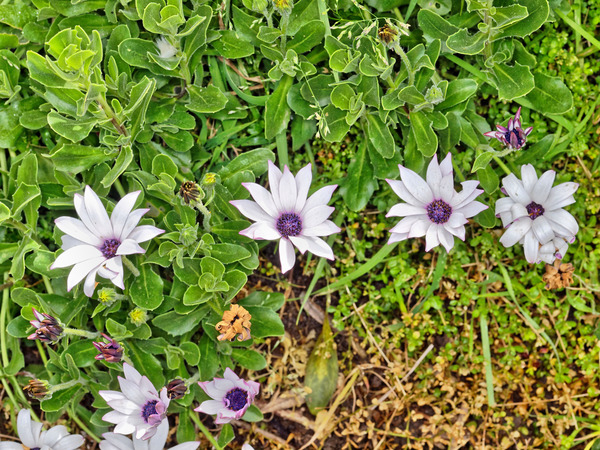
314	224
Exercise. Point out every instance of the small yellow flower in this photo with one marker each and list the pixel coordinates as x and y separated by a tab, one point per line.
209	179
283	6
138	316
235	321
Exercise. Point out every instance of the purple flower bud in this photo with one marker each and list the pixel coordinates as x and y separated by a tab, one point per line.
176	389
111	351
47	327
513	137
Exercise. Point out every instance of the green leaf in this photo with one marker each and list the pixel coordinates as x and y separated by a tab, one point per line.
206	100
249	359
253	414
360	183
19	327
537	151
225	436
269	34
265	322
507	15
75	158
229	253
135	52
322	371
513	82
425	137
458	91
178	324
336	126
140	97
341	96
82	352
307	37
73	130
486	218
550	95
344	61
145	363
434	26
60	399
466	44
380	136
181	141
277	111
209	360
232	46
273	300
23	196
488	178
482	161
538	13
146	291
121	164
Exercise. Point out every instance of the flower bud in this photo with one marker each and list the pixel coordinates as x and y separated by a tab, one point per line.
47	327
39	389
189	192
138	316
110	352
388	34
176	389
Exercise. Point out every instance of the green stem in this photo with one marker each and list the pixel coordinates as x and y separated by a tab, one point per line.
406	61
205	431
134	270
193	379
507	171
282	149
3	317
82	425
82	333
47	284
119	187
578	28
283	24
322	5
205	212
66	385
4	169
110	114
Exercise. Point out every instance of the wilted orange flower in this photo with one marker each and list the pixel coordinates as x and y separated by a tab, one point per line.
558	275
235	321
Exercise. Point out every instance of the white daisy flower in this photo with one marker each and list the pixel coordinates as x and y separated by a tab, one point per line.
138	408
32	436
433	208
285	213
533	214
165	48
113	441
94	245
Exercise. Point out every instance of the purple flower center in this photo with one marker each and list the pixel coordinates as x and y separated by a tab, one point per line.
109	248
289	224
236	399
149	409
515	138
439	211
534	210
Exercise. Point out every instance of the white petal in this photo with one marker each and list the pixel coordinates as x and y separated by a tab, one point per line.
28	435
70	242
251	210
506	219
515	232
431	237
562	222
303	181
457	219
314	245
561	195
80	271
316	215
447	191
210	406
518	210
405	209
132	391
112	395
132	374
504	204
416	185
542	230
286	255
122	210
160	438
419	228
70	442
321	197
129	247
143	233
561	247
79	203
514	188
542	188
263	198
97	213
186	446
445	238
400	189
529	177
472	209
76	255
76	228
288	191
10	446
274	177
323	229
90	282
124	427
132	220
261	230
446	165
461	200
531	246
114	441
405	224
397	237
459	231
434	176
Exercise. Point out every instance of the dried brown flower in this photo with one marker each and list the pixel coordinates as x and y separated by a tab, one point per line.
176	389
387	34
39	389
235	321
559	275
189	192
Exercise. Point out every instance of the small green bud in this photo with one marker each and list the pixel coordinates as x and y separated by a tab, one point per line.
138	316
